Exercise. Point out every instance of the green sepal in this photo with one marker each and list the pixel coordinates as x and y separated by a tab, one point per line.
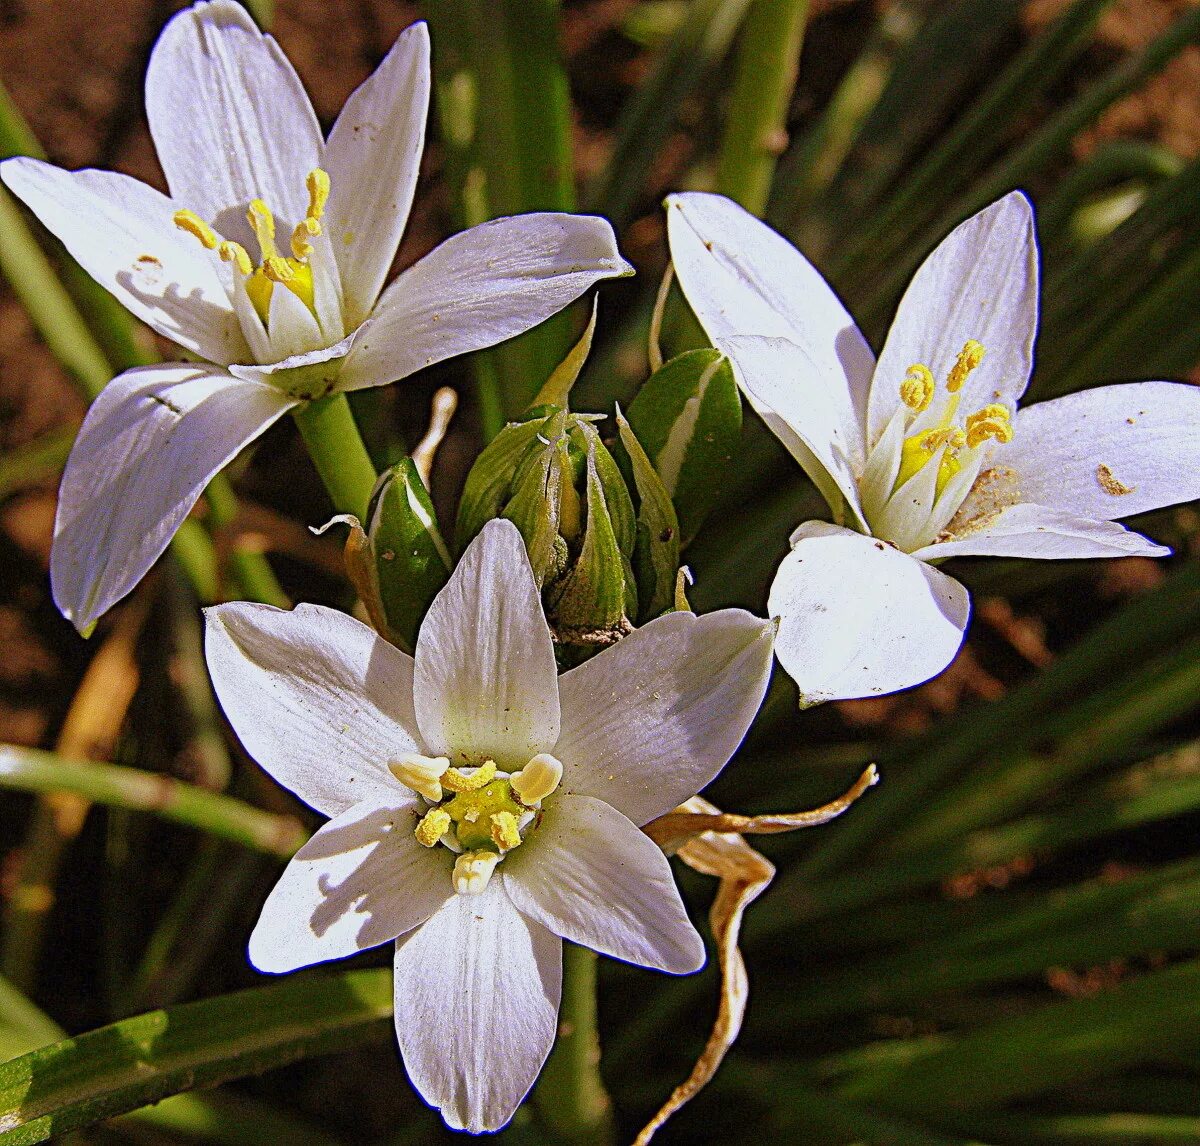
589	606
489	484
557	389
688	418
656	555
616	490
400	561
544	504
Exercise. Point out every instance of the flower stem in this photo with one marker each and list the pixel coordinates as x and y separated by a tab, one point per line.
570	1096
755	131
336	447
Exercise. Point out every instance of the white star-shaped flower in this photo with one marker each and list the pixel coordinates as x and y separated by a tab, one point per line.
267	262
924	454
482	806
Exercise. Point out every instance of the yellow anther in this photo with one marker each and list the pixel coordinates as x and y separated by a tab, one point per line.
263	224
458	781
302	238
421	773
505	833
970	356
934	440
434	824
916	391
317	183
473	870
192	223
537	779
993	421
235	253
278	269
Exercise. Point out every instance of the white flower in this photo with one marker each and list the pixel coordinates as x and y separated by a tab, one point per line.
267	262
924	454
482	807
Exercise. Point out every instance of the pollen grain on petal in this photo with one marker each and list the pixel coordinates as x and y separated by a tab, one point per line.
1110	484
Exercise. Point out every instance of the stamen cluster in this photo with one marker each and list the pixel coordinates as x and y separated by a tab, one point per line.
479	813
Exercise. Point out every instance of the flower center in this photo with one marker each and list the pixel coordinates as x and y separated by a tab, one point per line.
480	813
917	392
292	271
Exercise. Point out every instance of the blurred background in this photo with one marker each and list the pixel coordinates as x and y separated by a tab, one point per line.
1001	942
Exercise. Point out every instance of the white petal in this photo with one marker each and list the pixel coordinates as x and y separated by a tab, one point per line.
481	287
1028	530
149	445
361	880
486	683
316	698
650	721
859	618
299	375
291	326
740	277
230	120
787	389
373	155
121	232
1109	452
477	992
980	283
590	876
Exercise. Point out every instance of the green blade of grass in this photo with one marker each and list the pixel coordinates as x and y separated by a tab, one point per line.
505	113
1063	1042
141	1060
33	770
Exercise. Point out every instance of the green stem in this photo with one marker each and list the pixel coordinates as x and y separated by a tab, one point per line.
756	127
337	450
570	1096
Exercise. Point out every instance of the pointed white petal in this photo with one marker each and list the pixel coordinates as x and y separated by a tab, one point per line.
1109	452
316	698
481	287
650	721
740	277
361	880
905	518
291	326
1028	530
121	232
486	685
373	155
590	876
477	992
149	445
980	283
230	120
787	390
859	618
